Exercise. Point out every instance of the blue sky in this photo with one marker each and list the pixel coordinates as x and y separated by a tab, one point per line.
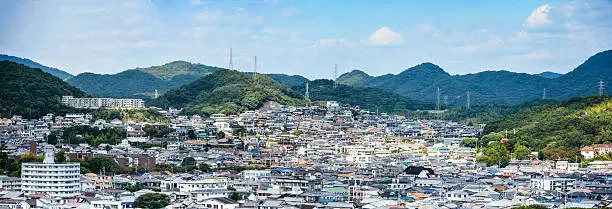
308	37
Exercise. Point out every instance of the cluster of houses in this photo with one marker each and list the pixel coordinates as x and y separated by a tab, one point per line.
335	157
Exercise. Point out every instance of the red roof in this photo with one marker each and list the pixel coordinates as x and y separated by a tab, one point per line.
602	146
587	148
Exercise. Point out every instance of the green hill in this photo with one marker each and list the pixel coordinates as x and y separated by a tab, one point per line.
141	82
365	97
27	62
490	87
353	77
228	91
31	92
558	130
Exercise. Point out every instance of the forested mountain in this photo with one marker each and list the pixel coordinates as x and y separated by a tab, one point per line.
489	87
228	91
27	62
288	80
353	77
549	74
141	82
365	97
30	92
558	130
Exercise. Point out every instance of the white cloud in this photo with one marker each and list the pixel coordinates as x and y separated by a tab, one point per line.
539	17
384	36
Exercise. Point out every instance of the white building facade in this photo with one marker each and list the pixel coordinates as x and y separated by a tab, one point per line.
102	103
53	179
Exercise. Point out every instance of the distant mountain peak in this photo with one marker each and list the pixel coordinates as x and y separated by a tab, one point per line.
426	67
549	74
353	77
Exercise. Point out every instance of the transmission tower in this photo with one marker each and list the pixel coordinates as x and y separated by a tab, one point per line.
335	75
544	94
467	107
307	94
156	94
231	62
601	88
438	99
445	101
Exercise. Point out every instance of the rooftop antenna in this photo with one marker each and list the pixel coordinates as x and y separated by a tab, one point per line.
601	88
231	63
255	71
438	99
335	74
544	94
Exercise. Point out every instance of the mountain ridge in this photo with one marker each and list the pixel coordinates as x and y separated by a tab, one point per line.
31	92
27	62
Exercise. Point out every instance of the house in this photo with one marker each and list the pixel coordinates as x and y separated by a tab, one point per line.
219	203
419	171
587	152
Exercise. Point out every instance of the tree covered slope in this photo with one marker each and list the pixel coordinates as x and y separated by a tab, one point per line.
228	91
30	92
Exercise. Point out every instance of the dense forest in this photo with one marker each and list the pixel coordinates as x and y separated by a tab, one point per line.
31	92
372	99
557	131
229	92
481	113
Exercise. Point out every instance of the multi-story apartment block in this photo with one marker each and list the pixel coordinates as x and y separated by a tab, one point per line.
53	179
102	103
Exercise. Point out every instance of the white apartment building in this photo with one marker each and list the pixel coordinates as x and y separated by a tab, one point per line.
53	179
102	103
10	183
553	184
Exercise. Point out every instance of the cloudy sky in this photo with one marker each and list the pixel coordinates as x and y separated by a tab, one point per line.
308	37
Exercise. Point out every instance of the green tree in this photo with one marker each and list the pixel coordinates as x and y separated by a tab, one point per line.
220	135
495	153
103	164
191	134
52	139
60	157
188	161
521	152
152	201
